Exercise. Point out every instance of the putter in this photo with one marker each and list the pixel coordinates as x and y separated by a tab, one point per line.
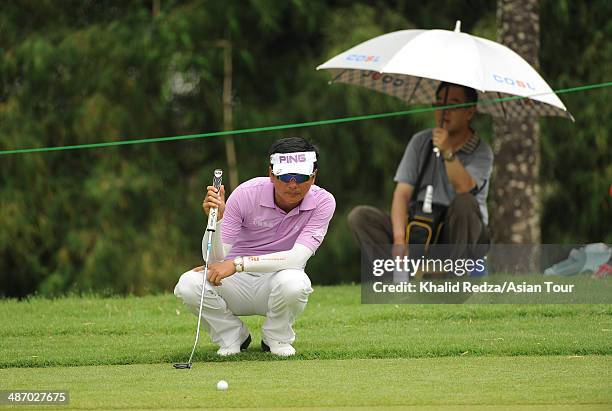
210	228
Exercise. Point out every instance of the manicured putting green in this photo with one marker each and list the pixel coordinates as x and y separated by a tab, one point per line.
117	353
450	383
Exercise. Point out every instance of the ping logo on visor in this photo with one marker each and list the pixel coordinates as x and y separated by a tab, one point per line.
301	163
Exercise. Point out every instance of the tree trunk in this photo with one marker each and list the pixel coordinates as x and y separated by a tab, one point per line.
515	197
228	122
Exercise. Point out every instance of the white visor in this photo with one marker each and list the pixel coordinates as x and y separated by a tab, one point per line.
293	163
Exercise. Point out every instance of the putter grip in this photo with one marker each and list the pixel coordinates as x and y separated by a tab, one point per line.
212	214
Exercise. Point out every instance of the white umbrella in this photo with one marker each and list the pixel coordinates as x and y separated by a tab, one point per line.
410	64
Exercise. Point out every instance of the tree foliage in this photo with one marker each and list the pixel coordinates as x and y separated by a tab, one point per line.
128	219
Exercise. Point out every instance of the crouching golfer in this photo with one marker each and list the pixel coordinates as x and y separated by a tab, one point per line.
266	233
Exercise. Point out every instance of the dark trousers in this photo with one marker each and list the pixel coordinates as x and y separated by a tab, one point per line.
463	228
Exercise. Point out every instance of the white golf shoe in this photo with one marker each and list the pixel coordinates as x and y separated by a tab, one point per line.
234	348
279	348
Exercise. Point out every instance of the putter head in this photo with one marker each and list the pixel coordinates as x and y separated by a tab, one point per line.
182	365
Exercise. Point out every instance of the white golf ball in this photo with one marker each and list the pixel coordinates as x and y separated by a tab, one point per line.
222	385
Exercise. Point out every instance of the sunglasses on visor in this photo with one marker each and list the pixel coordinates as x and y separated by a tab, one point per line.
299	178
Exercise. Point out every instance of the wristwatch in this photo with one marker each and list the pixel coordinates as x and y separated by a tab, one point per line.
450	156
239	264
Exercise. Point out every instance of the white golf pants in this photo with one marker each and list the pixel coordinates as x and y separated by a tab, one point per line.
279	296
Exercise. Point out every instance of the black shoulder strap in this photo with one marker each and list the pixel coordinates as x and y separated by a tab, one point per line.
428	153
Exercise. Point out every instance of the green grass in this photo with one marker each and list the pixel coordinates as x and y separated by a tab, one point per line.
489	381
349	354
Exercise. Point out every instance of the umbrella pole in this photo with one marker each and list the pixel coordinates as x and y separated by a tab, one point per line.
427	203
444	104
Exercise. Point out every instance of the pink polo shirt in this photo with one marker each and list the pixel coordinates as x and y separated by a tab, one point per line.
254	225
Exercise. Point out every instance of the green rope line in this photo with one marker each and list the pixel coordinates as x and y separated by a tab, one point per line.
296	125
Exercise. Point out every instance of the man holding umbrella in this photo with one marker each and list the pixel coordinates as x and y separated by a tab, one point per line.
460	180
421	66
